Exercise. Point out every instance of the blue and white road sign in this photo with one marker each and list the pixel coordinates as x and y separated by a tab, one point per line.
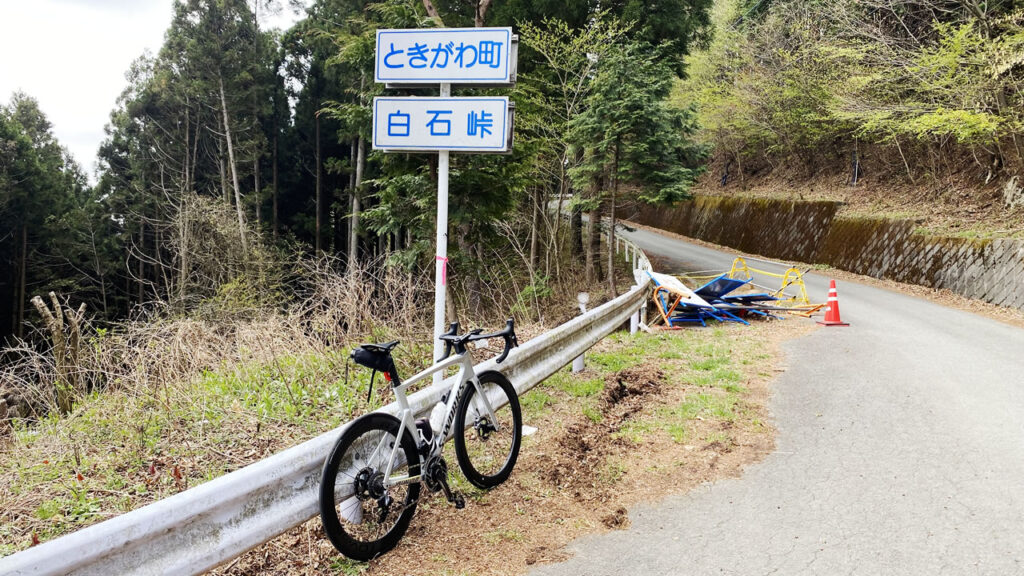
444	55
429	124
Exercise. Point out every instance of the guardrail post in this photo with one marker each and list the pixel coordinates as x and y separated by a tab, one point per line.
634	322
577	362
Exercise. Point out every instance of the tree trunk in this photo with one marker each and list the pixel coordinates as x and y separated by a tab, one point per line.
274	177
223	173
183	239
352	164
353	240
345	224
184	184
611	225
432	13
562	187
594	231
232	165
142	262
256	188
317	244
481	12
534	230
576	232
99	270
190	183
593	259
66	348
256	152
22	286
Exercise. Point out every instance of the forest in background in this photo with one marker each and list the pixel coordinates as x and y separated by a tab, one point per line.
918	90
236	150
237	196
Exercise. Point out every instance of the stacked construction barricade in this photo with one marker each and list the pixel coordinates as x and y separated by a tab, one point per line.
799	304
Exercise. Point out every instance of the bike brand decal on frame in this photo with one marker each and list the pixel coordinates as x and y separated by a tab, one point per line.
455	408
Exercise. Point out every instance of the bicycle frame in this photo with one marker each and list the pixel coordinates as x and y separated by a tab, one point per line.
465	375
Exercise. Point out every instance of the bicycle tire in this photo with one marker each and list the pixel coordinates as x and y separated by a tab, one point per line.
485	456
364	448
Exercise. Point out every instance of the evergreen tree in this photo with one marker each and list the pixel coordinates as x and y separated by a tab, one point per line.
631	135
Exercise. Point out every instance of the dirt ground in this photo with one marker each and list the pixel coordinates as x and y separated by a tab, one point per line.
583	469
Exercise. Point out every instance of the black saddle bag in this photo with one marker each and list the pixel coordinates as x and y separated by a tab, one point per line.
375	359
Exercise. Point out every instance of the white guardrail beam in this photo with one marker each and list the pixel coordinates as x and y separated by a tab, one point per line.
205	526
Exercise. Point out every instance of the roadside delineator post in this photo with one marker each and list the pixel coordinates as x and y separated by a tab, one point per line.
832	309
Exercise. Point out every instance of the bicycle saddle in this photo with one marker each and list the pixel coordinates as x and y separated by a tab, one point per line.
383	347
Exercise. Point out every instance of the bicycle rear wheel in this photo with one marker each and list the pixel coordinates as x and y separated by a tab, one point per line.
487	449
362	517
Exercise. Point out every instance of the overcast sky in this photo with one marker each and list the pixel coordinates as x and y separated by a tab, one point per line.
72	55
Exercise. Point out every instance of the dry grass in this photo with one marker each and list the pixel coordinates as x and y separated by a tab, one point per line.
158	348
167	400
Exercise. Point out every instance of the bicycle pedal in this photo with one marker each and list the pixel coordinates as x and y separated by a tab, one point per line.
459	501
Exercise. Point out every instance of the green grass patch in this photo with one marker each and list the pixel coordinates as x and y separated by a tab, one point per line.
722	438
535	403
676	420
612	471
593	414
576	385
347	567
710	363
503	535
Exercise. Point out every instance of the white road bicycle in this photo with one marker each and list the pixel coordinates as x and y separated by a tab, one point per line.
371	480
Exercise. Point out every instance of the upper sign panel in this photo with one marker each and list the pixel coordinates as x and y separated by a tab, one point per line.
444	55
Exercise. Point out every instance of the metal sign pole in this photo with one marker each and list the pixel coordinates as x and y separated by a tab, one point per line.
441	260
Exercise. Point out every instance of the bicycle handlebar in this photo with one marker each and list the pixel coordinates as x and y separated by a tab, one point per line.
509	334
451	340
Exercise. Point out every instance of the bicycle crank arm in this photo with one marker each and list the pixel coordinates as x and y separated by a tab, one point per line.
453	497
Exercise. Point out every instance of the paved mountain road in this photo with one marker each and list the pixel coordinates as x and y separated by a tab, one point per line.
900	450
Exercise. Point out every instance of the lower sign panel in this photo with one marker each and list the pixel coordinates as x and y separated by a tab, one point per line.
429	124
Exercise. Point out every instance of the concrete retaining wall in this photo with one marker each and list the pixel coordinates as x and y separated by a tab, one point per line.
989	270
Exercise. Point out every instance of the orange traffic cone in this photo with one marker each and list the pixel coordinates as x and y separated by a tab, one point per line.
832	310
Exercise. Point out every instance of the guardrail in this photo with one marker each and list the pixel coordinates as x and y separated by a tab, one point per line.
632	252
203	527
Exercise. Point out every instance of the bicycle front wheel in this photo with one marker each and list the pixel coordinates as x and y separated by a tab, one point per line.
362	516
488	430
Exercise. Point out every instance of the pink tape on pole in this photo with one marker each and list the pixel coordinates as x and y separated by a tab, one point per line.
444	269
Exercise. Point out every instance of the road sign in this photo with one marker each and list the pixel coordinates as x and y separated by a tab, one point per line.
411	124
445	55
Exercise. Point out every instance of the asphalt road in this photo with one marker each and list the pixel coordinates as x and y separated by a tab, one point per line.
900	450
